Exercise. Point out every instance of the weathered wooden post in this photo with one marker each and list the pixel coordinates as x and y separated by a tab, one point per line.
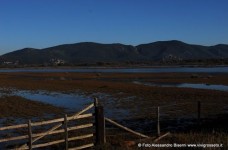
199	112
99	123
158	121
29	135
66	132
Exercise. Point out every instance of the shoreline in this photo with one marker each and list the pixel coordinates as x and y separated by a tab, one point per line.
115	67
139	101
130	70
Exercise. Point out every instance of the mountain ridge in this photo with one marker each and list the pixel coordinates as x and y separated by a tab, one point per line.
91	52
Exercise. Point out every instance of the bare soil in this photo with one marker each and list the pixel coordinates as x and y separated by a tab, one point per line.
120	86
15	106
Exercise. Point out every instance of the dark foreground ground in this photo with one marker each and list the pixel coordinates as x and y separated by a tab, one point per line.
142	104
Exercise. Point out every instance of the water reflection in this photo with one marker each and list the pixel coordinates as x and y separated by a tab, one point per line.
187	85
125	70
73	102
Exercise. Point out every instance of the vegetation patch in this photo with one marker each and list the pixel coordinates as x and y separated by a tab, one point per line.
15	106
140	100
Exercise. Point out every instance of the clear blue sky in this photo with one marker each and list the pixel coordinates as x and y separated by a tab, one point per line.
44	23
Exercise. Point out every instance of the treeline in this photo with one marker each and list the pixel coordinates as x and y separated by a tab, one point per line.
205	62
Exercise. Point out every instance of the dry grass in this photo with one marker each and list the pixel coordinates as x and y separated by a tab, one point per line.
120	86
15	106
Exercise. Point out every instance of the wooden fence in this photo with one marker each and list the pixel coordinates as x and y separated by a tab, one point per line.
62	126
198	116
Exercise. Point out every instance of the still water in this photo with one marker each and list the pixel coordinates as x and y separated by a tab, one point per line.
127	70
72	102
187	85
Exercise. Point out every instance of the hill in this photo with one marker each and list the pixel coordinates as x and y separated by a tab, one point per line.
91	53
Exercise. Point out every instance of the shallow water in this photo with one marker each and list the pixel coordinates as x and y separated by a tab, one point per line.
187	85
126	70
72	102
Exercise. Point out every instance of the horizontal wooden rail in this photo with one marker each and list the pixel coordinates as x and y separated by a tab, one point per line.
80	117
14	138
47	122
45	133
61	141
84	110
13	127
48	132
62	130
61	120
48	143
80	127
75	116
82	147
53	130
81	137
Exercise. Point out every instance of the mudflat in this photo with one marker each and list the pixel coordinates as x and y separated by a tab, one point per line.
139	100
121	85
15	106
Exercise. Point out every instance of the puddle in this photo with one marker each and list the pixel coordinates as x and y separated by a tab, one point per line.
73	102
187	85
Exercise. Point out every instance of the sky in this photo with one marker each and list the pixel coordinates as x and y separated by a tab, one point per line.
46	23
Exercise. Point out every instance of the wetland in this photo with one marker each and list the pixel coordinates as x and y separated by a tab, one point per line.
128	97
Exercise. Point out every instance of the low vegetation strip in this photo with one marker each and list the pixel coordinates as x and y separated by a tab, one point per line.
15	106
120	87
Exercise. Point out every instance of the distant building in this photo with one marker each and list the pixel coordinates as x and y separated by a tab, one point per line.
7	62
56	61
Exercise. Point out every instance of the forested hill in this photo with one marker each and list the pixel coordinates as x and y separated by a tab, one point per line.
90	53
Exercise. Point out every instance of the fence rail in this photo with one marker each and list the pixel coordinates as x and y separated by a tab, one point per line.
62	126
62	123
44	123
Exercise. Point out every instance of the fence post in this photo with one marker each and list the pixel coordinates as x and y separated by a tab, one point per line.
66	132
95	102
29	135
158	121
99	123
199	112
